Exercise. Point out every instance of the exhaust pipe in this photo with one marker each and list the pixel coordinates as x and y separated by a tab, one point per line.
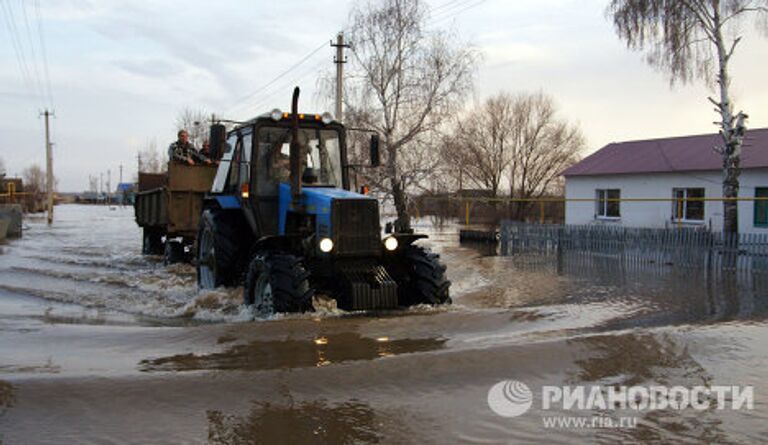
295	149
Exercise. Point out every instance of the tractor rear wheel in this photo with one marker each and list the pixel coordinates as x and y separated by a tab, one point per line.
216	250
425	281
277	283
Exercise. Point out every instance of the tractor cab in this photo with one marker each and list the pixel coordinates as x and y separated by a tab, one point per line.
281	213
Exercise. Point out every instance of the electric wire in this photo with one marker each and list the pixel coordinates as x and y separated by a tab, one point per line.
9	17
44	51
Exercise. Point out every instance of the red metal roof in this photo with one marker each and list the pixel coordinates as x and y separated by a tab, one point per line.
687	153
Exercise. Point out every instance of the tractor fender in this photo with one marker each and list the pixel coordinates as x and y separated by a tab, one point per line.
284	243
406	239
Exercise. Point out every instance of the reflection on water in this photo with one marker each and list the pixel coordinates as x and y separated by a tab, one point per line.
7	396
649	360
321	351
314	422
636	359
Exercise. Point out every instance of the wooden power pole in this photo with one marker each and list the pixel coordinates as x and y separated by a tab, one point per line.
49	165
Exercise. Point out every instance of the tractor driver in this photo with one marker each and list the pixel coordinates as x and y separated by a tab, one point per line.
280	165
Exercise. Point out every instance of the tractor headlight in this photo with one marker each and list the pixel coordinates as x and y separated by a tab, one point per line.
327	118
390	243
276	114
326	245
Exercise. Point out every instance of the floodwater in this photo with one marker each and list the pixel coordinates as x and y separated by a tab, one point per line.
99	344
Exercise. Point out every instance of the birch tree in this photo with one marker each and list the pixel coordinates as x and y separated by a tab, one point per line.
695	40
404	82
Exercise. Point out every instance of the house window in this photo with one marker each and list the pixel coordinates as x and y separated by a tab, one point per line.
761	207
607	203
688	204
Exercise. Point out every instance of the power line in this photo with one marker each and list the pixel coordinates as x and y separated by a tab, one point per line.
279	76
35	64
18	47
281	86
41	36
447	10
455	12
444	6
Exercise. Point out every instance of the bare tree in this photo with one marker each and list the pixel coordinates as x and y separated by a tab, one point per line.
695	39
516	139
404	83
150	159
2	168
34	179
480	147
196	122
543	146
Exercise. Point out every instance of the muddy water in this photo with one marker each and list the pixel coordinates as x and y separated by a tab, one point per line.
101	345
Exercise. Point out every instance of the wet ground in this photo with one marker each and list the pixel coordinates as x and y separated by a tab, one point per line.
101	345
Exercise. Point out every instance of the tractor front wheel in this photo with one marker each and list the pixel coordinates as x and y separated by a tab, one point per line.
424	280
277	283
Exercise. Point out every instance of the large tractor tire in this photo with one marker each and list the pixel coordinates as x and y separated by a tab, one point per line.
217	250
277	283
152	241
424	280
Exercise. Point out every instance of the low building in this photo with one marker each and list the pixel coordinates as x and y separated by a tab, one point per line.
653	179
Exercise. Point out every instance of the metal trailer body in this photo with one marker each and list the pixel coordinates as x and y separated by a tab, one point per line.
168	207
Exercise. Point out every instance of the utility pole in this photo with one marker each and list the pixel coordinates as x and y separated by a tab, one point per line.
339	60
121	174
49	164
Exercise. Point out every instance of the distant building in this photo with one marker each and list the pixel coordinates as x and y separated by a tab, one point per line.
125	193
680	167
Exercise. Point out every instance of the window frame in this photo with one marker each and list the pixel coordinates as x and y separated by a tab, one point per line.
686	199
757	204
602	204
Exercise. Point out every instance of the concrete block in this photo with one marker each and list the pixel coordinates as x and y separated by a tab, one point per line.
13	214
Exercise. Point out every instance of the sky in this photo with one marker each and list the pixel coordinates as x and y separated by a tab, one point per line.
120	72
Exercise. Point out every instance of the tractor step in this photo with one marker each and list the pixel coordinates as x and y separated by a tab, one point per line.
366	287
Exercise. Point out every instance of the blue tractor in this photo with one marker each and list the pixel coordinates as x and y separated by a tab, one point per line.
281	220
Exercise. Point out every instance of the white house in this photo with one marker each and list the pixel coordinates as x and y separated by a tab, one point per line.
652	178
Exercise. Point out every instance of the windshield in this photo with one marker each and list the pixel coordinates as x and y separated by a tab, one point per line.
322	148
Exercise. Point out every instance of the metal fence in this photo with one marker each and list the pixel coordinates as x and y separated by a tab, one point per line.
688	248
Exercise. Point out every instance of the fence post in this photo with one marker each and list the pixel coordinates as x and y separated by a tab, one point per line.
466	215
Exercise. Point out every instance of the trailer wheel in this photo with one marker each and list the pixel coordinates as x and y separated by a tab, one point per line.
152	242
425	281
216	250
174	252
277	283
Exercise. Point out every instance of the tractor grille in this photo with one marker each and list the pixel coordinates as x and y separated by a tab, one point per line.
356	226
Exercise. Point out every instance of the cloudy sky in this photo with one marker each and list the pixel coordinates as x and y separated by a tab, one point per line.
120	71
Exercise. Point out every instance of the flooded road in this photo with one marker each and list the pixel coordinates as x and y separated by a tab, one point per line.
99	344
